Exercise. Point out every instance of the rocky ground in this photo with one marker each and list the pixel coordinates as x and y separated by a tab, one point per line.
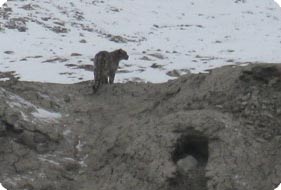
216	131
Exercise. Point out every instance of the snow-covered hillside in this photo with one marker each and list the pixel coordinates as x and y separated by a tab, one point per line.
2	2
53	41
1	187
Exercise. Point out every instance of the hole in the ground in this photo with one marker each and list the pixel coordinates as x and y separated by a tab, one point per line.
195	146
190	156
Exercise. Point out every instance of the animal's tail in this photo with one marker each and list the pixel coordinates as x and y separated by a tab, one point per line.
99	62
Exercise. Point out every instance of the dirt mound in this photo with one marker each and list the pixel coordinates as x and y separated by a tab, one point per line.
216	131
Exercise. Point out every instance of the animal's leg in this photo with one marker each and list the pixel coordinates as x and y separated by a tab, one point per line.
97	82
111	77
96	85
105	80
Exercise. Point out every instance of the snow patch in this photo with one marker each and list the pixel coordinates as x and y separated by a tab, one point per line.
82	161
79	146
15	100
2	188
44	114
67	132
1	3
4	79
278	2
18	102
279	187
49	161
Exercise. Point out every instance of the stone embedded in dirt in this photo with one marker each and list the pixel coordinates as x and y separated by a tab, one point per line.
79	15
86	67
35	56
157	55
75	54
156	66
28	7
46	18
230	50
59	29
60	23
83	41
137	79
145	58
9	52
173	73
70	65
67	73
7	9
8	75
87	28
186	164
123	71
230	60
114	9
118	39
17	23
185	71
56	59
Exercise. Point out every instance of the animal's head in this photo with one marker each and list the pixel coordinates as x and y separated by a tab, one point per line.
123	54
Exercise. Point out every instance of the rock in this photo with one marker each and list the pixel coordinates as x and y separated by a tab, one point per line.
157	55
86	67
145	58
17	23
156	66
118	39
28	7
9	52
213	131
75	54
56	59
173	73
59	29
186	164
8	75
83	41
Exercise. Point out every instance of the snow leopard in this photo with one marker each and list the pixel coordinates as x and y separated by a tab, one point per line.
105	66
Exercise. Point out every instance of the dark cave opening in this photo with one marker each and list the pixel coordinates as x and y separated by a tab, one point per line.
194	145
190	156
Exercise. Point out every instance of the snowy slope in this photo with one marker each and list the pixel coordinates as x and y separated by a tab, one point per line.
2	188
278	2
2	2
53	41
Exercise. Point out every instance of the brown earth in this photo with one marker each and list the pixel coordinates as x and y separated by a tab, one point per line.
216	131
